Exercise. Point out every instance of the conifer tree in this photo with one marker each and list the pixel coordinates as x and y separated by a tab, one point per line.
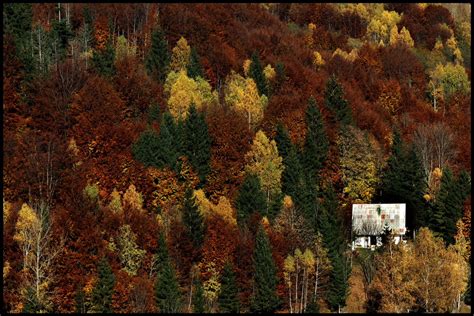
147	149
167	292
256	72
283	141
80	300
192	219
194	67
228	296
104	288
159	58
61	33
161	255
330	225
312	307
316	144
198	297
335	102
197	142
153	113
170	140
264	298
250	199
103	61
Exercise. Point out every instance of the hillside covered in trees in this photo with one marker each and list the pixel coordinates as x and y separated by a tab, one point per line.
205	157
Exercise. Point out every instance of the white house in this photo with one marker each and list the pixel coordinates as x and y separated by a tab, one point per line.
369	221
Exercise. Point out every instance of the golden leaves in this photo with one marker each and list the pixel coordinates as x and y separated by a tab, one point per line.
133	198
180	55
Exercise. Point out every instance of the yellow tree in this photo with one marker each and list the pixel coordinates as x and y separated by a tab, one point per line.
263	160
130	255
133	198
246	66
288	270
183	91
405	37
393	35
242	94
269	72
223	208
180	55
318	60
115	201
446	80
34	236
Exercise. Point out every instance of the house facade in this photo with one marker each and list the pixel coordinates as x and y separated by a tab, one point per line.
370	220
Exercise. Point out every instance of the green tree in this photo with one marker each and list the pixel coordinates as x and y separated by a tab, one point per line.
80	300
158	59
161	255
403	182
335	102
103	61
61	34
316	144
31	305
250	199
283	141
104	288
256	72
153	113
330	226
167	292
130	255
197	142
198	297
147	148
194	67
193	219
313	306
228	296
264	298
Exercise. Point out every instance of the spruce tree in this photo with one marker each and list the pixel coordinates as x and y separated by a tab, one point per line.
158	59
104	288
169	142
194	68
192	219
153	113
167	292
80	300
61	33
147	149
312	307
198	297
256	73
316	144
103	61
197	142
228	296
330	225
335	102
283	142
250	199
161	255
264	298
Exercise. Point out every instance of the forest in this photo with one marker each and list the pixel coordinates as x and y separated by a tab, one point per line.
168	158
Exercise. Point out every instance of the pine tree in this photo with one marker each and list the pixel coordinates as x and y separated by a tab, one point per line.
198	300
80	300
283	142
147	149
256	72
153	113
193	219
250	199
313	306
103	61
167	293
104	288
194	67
316	144
161	255
334	100
330	225
170	140
197	142
264	298
158	59
61	33
228	296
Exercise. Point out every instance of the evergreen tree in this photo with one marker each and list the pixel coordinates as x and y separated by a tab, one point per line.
153	113
283	142
104	288
158	59
147	149
167	293
316	144
250	199
170	138
198	297
264	298
256	73
161	255
194	67
103	61
197	142
330	225
80	300
193	219
312	307
61	33
32	305
403	182
228	296
334	100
